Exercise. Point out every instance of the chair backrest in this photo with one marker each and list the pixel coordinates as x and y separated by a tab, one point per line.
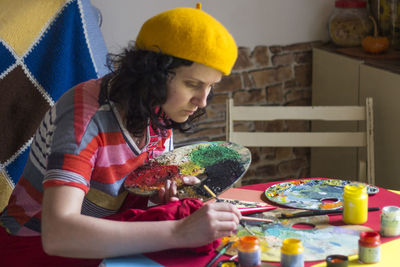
305	139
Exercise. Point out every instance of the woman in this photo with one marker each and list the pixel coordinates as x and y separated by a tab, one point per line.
71	198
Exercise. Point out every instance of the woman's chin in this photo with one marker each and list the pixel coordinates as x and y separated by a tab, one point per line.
180	119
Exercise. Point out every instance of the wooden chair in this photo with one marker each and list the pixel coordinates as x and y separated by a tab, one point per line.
306	139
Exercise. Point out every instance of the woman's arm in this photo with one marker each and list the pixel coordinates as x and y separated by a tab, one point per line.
66	232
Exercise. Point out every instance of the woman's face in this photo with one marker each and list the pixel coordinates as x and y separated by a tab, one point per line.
188	90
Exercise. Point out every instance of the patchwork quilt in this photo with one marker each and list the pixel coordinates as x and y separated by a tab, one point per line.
46	47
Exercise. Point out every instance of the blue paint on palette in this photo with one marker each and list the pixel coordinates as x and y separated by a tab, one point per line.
318	242
335	243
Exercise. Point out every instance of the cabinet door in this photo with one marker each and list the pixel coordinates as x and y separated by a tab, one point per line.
384	87
335	82
335	79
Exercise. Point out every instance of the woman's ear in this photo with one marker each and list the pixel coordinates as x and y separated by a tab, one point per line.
171	76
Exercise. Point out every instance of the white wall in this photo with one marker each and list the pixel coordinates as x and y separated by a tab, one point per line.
251	22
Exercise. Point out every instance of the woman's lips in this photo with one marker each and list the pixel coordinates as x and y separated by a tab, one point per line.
190	112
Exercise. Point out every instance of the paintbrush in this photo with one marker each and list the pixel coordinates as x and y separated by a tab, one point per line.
243	211
220	253
242	223
211	193
248	218
258	209
315	213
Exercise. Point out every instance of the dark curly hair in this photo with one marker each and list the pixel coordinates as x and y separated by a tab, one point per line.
138	81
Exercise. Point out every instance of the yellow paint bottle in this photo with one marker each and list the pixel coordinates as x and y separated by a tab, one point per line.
355	204
292	253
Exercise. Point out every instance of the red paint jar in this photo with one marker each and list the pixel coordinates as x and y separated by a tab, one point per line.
369	247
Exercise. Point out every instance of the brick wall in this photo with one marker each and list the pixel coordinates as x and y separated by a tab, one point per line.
267	75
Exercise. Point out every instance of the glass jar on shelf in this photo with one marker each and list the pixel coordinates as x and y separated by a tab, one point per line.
349	23
389	21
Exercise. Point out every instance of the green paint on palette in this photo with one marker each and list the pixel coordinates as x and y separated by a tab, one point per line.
208	155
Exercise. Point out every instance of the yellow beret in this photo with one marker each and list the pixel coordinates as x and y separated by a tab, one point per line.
191	34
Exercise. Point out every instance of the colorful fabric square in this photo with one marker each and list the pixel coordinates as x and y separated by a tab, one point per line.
46	47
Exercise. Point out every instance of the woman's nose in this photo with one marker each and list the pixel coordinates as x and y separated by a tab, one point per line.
200	99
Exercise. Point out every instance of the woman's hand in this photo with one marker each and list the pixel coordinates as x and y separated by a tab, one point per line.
169	192
212	221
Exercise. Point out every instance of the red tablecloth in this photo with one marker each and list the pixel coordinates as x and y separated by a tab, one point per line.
382	199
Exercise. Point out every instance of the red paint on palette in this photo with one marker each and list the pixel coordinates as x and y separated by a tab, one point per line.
152	176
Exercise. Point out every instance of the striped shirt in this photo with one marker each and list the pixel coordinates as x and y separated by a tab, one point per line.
83	144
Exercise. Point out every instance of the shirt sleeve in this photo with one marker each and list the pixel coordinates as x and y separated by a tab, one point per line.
74	142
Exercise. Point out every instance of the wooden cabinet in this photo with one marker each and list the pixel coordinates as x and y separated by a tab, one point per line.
343	80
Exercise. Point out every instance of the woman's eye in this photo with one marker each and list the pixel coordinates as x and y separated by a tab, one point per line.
192	85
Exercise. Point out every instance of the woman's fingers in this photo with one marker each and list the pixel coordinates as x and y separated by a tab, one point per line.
173	192
223	215
170	191
224	233
223	206
191	180
212	221
167	193
161	194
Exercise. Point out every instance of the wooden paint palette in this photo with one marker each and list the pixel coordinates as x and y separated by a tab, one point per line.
311	193
218	165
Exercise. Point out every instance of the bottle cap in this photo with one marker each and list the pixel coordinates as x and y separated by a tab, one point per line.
292	246
391	211
227	263
369	239
248	241
337	261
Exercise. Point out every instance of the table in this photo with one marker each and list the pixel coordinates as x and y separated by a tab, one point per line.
177	259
